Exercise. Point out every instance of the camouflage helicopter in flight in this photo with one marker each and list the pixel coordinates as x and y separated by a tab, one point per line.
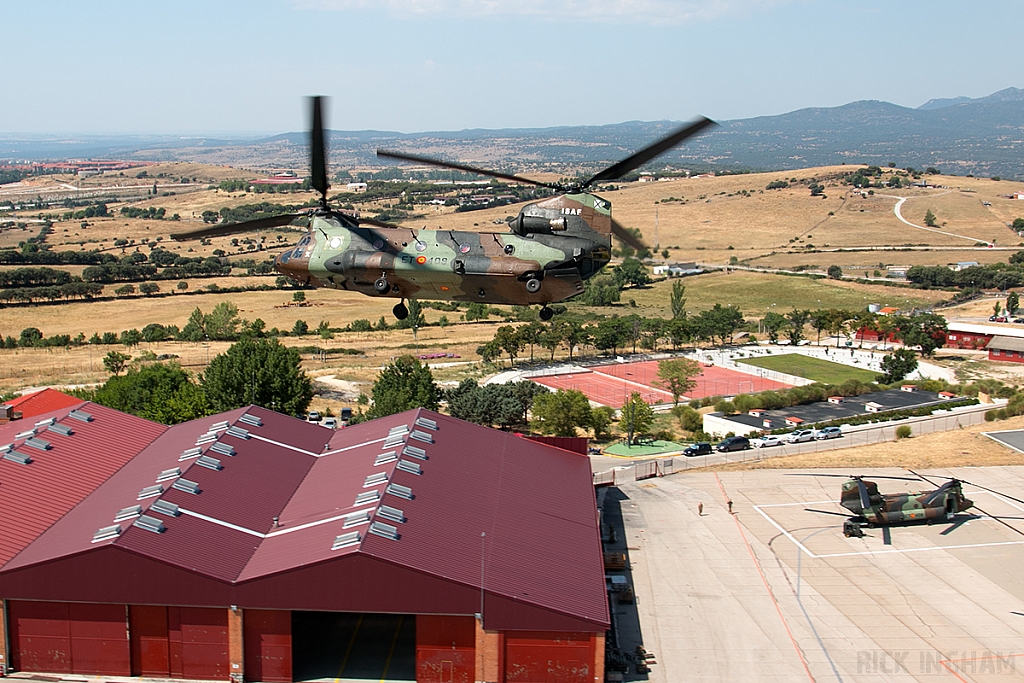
871	508
549	250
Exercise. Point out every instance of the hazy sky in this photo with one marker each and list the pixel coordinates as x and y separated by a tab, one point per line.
209	66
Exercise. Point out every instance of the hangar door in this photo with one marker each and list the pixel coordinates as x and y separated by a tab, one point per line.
179	642
548	657
62	637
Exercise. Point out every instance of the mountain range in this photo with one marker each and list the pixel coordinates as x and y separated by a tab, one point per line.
981	136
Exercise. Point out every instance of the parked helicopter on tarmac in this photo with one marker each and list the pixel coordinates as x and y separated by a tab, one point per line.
871	508
551	248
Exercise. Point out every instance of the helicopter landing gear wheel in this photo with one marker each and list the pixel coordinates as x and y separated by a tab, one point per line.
546	313
400	310
533	285
381	285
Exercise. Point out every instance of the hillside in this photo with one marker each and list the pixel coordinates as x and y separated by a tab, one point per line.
982	136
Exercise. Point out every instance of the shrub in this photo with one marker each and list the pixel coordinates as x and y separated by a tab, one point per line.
903	432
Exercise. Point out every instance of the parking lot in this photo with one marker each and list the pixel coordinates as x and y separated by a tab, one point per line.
775	591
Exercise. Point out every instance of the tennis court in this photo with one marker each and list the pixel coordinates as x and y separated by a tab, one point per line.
611	385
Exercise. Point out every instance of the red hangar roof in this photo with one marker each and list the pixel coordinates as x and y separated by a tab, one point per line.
413	513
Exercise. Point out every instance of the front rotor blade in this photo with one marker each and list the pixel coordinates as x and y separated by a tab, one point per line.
318	150
235	228
374	222
626	236
415	158
616	171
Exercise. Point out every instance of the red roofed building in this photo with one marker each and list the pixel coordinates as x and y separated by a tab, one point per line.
39	402
251	545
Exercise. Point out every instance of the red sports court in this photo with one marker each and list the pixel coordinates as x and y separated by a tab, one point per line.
611	385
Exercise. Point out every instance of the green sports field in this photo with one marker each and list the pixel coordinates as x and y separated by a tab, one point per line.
815	369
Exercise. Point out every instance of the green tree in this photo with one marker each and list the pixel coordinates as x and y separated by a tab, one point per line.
300	328
1012	303
601	421
195	328
130	338
929	219
797	319
30	336
324	330
631	272
773	323
508	339
298	297
182	285
926	330
897	365
115	362
154	332
149	288
402	385
160	392
476	311
676	376
677	300
260	372
835	272
611	333
636	418
561	413
222	322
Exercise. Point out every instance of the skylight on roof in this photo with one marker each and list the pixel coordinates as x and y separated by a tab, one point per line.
63	430
222	448
165	507
238	432
208	437
25	435
80	415
390	513
150	524
186	485
38	443
356	518
387	457
106	533
346	540
392	441
218	426
421	436
399	490
376	478
6	447
385	530
399	429
410	467
190	453
426	423
150	491
47	422
209	463
18	457
367	497
415	452
128	513
251	420
167	475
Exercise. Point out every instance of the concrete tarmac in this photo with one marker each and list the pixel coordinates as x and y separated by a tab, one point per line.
775	592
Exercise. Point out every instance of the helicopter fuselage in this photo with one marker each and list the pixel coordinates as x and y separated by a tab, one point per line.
894	508
537	266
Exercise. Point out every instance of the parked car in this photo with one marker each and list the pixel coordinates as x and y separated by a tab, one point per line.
997	318
313	416
733	443
800	436
701	448
766	441
829	433
1018	320
329	422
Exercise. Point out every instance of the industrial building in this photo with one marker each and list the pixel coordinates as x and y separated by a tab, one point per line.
254	546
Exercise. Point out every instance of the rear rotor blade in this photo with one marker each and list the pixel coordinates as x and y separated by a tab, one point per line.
626	236
235	228
318	151
985	488
616	171
415	158
865	499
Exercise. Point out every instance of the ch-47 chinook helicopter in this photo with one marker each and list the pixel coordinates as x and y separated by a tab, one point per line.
551	247
871	508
